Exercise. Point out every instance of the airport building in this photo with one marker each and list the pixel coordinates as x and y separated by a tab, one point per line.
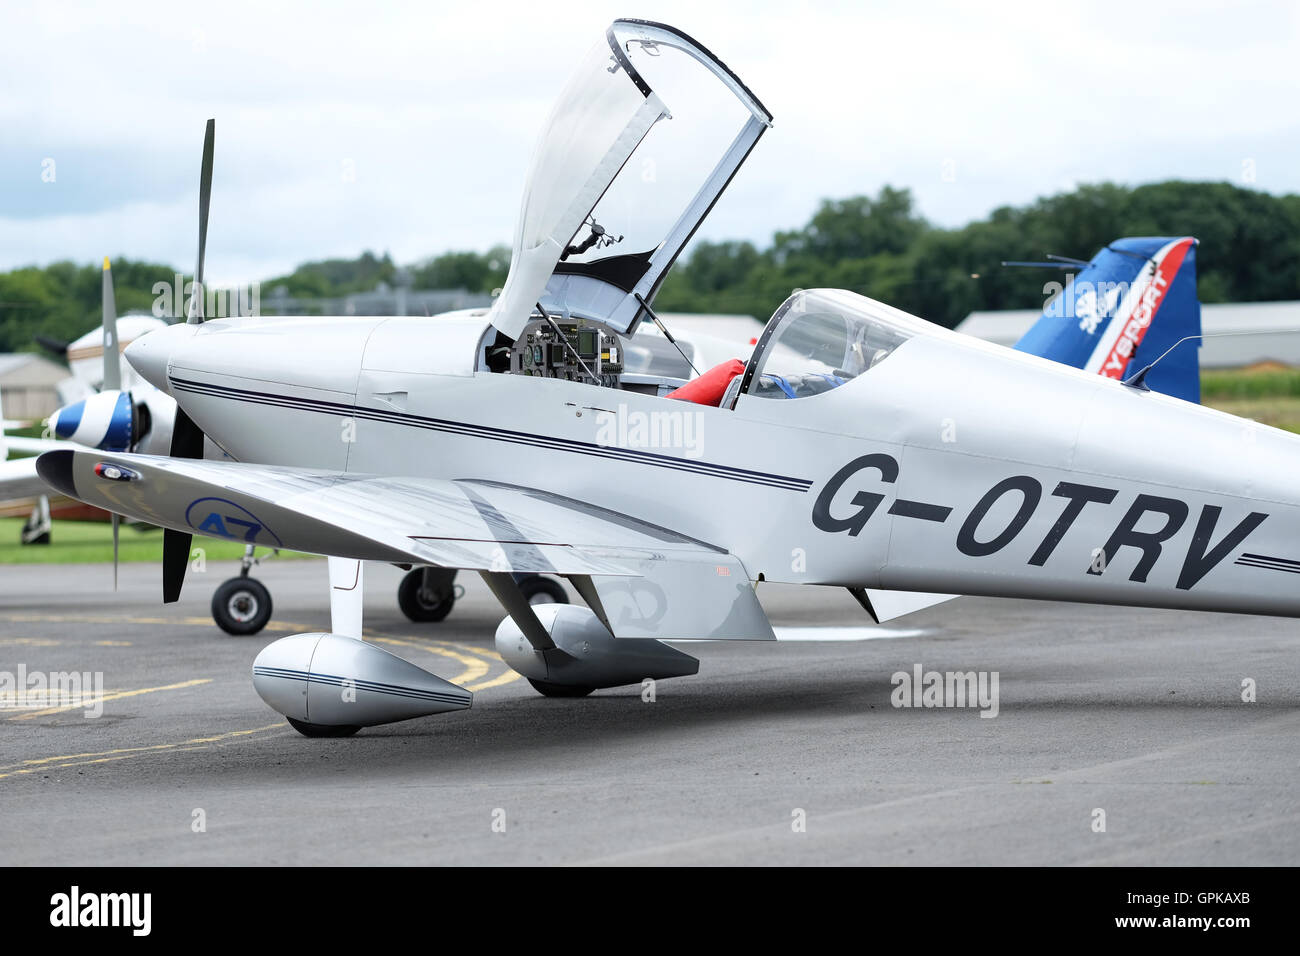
29	385
384	299
1237	334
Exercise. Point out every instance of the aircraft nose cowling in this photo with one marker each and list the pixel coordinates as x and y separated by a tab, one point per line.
104	421
151	354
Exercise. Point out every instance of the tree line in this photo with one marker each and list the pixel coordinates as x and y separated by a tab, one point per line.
878	245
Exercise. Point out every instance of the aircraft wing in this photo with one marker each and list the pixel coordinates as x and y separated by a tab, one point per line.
652	582
33	446
18	479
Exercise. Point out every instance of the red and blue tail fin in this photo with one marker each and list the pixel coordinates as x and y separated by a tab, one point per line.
1131	303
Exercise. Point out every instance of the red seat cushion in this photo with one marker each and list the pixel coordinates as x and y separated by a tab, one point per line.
709	387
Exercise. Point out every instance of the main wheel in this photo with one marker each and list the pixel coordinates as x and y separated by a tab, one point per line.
322	730
241	606
431	601
547	689
540	590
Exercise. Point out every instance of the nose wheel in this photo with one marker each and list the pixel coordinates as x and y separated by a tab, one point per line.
242	605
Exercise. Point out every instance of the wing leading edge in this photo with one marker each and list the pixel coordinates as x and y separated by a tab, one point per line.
653	582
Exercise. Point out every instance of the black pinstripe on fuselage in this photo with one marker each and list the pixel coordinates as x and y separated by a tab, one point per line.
392	416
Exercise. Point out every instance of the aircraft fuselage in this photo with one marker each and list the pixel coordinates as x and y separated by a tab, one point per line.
953	466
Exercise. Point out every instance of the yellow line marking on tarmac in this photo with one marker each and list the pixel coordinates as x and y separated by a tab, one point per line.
472	657
80	619
507	676
116	695
504	678
208	622
28	642
474	661
475	667
481	652
96	619
36	765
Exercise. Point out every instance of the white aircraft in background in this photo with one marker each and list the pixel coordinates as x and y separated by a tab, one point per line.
110	407
106	406
859	448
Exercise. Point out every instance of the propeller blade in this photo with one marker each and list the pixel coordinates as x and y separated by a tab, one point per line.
187	442
116	524
187	437
205	196
176	557
112	360
54	346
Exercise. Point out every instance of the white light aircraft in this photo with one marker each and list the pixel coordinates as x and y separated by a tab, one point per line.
859	448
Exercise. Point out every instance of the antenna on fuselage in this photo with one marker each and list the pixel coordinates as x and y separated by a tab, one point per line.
664	329
1138	379
1058	262
1062	262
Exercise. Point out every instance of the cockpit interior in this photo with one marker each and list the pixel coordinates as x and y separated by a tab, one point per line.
815	342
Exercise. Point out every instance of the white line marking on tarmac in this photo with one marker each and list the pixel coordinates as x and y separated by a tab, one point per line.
854	633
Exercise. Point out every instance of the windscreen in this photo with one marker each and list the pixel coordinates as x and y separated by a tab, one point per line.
820	339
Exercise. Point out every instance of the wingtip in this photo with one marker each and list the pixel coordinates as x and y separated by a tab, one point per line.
55	469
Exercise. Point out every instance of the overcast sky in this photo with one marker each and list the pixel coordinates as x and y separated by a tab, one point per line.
408	128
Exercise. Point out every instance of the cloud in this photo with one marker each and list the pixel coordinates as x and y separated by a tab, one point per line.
408	128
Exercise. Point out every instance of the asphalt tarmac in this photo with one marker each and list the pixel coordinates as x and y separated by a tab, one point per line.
1121	737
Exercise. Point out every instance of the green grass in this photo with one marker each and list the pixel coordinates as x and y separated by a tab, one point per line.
1233	384
91	542
1269	396
36	430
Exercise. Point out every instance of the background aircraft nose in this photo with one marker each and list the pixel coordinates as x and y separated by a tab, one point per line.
149	354
105	420
67	419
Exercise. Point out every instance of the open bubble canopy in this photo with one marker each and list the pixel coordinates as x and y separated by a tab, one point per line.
646	135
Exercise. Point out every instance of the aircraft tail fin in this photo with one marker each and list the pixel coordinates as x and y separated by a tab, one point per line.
1124	309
